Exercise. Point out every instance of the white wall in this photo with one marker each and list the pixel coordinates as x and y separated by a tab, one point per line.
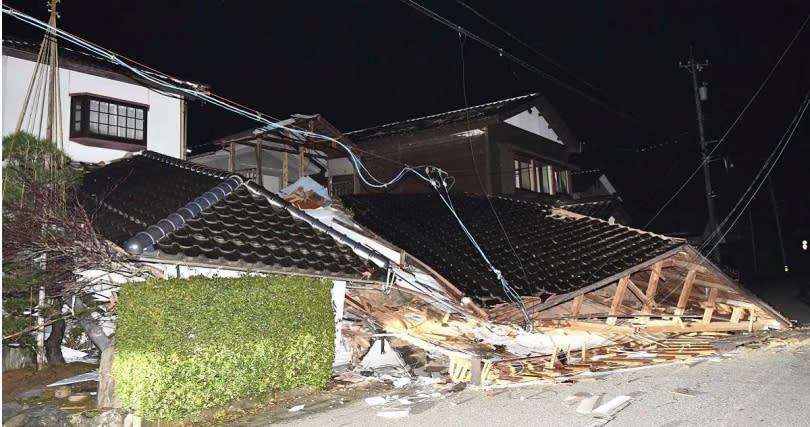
534	122
163	133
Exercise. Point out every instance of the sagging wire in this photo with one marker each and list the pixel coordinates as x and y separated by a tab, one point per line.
197	91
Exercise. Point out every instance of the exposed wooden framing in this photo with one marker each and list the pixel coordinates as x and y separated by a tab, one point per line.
689	266
232	157
586	326
762	305
301	156
606	302
736	314
604	282
637	292
702	327
652	287
685	292
617	299
259	152
576	305
709	310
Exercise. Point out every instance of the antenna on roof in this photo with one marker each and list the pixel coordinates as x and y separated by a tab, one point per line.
44	89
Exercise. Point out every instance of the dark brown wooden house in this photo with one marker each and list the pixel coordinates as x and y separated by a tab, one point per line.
518	147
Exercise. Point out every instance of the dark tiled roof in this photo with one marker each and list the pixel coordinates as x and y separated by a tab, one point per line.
435	120
239	231
560	252
602	209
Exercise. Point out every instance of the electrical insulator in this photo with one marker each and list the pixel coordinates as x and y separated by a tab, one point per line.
703	91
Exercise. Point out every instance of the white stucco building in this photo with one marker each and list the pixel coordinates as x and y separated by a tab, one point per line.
106	111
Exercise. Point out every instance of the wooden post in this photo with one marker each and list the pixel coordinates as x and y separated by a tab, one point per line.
736	314
617	300
532	177
687	289
652	288
709	310
301	152
259	151
232	163
577	305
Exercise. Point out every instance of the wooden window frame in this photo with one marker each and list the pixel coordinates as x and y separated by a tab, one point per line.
83	131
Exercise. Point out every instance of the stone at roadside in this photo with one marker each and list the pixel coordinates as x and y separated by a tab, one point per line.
34	393
62	392
39	416
109	418
11	409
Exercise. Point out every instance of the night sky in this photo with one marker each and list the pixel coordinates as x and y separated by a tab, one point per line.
363	63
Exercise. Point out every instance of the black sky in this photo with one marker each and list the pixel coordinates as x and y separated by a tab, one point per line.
362	63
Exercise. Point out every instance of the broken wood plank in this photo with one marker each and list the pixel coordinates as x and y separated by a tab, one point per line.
652	288
617	299
685	291
576	305
709	310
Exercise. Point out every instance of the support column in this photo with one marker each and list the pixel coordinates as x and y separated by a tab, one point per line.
617	300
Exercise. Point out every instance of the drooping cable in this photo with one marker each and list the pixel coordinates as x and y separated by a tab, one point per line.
511	294
733	124
436	177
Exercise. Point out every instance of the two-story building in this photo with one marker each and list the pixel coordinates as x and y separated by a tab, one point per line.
518	147
106	110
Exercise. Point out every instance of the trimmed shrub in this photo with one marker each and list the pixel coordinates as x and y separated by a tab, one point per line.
186	345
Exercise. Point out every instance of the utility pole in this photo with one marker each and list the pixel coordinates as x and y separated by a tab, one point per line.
694	68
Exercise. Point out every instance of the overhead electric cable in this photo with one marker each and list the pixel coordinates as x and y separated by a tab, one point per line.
511	294
733	124
761	175
530	47
434	176
502	52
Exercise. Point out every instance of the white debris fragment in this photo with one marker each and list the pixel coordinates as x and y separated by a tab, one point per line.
610	408
394	414
376	400
296	408
587	404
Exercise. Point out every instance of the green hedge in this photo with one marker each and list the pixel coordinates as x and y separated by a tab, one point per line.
187	345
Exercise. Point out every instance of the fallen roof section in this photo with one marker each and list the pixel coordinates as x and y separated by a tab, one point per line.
190	214
541	251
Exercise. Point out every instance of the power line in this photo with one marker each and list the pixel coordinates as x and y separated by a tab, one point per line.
434	176
530	47
503	53
769	164
508	290
708	157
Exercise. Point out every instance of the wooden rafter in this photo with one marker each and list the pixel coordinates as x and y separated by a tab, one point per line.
576	305
617	299
686	290
709	310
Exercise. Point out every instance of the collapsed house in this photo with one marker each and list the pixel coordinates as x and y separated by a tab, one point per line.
596	295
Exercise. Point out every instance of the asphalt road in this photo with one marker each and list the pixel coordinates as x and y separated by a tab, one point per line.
768	386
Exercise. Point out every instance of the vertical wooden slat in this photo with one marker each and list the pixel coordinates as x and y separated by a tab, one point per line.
232	160
709	310
685	291
577	305
301	154
532	177
652	287
259	152
617	300
736	314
